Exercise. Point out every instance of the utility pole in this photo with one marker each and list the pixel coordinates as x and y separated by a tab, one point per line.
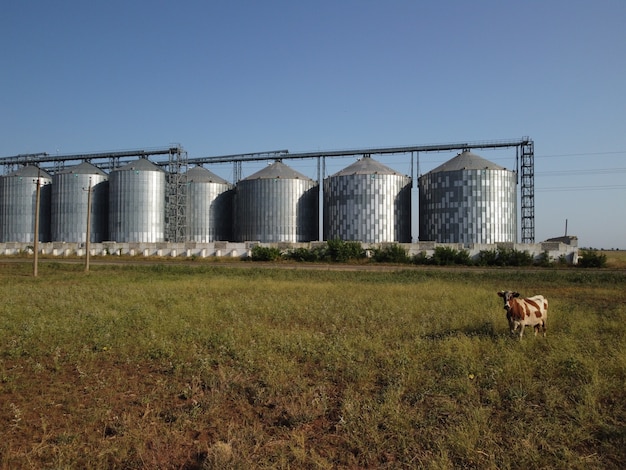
88	238
36	242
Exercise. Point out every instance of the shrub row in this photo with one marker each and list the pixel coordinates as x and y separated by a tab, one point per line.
332	251
349	251
592	259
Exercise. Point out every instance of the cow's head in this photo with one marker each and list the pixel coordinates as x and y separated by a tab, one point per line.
507	296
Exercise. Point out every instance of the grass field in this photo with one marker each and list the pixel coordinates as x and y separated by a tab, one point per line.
615	259
171	366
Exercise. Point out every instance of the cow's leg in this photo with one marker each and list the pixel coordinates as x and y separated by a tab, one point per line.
544	328
521	331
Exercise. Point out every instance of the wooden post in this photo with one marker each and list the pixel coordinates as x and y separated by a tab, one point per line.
87	247
36	242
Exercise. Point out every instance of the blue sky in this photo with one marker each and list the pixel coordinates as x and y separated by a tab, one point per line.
224	77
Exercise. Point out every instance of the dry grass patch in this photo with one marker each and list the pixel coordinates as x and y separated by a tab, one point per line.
615	259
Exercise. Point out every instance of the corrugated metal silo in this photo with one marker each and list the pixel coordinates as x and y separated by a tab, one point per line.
276	204
137	203
468	200
18	195
69	204
367	202
209	206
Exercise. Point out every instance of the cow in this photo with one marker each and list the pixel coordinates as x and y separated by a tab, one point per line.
531	311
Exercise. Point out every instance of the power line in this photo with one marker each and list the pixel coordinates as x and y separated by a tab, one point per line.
583	188
592	171
615	152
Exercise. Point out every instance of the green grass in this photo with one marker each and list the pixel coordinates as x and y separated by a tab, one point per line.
172	366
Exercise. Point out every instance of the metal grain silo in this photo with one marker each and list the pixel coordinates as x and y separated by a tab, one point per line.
209	206
468	200
70	193
367	202
276	204
137	203
18	195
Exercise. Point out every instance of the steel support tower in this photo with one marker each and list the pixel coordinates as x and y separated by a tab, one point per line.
528	191
176	196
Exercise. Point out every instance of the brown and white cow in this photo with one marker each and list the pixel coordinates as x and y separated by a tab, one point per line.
531	311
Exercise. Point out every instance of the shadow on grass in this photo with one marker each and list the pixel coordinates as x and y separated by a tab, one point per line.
483	330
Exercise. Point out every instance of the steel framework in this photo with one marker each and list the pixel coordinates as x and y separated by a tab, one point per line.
175	199
528	191
524	146
178	161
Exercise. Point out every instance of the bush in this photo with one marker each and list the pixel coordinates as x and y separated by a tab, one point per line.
592	259
504	257
446	256
443	256
514	257
544	260
265	253
392	253
303	255
420	258
487	258
342	251
463	257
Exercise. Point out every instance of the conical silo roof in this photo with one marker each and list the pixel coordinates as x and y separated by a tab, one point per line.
141	164
277	170
30	171
84	168
467	161
200	174
366	166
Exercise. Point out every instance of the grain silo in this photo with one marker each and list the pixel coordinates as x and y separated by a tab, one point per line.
209	206
276	204
367	202
18	195
137	203
70	195
468	200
